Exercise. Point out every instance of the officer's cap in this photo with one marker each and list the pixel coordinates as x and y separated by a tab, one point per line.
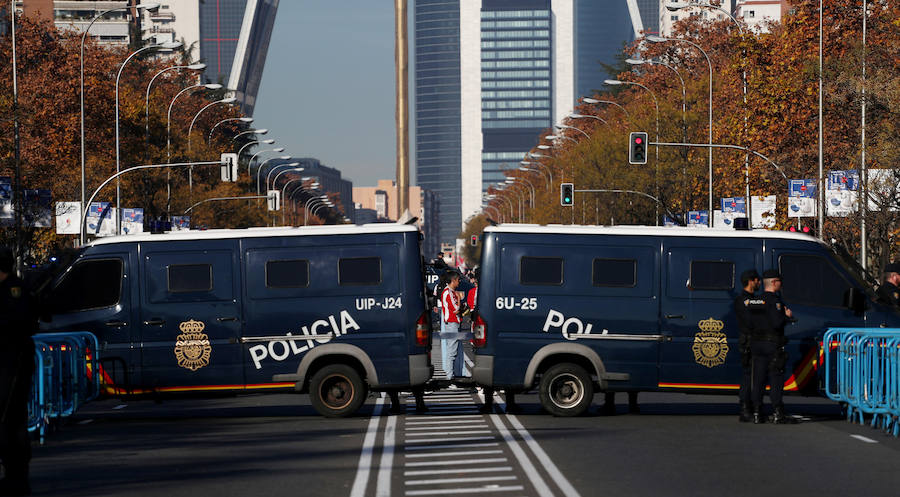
7	260
748	275
771	274
893	267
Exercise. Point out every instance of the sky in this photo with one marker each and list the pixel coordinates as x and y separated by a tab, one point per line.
327	89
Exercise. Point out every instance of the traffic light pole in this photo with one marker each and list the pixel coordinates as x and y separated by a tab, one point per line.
217	199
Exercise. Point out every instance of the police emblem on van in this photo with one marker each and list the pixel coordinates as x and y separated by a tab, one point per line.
710	344
192	346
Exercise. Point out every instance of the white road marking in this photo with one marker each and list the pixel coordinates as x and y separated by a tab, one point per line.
864	439
454	432
542	456
365	458
539	485
444	481
383	483
422	418
120	406
449	439
457	491
454	454
471	420
452	471
453	446
460	426
458	461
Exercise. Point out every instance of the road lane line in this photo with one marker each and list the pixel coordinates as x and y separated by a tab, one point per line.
452	471
530	471
444	481
365	457
423	418
452	454
551	469
472	419
458	461
452	427
864	439
453	446
457	491
448	439
383	483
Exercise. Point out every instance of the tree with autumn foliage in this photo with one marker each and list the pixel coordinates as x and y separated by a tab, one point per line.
779	120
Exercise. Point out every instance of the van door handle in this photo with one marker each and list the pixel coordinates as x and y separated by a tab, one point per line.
116	324
223	319
155	322
674	316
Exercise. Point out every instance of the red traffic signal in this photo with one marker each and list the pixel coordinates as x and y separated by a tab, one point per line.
637	148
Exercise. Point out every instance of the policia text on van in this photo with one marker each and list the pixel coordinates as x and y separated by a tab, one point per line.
333	310
573	309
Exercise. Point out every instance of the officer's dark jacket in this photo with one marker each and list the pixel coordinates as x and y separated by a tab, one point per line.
18	319
742	306
889	293
769	318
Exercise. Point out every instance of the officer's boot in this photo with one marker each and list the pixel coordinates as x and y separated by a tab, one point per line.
746	415
633	407
609	404
758	417
779	418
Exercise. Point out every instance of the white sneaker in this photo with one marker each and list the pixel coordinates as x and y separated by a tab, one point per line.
452	387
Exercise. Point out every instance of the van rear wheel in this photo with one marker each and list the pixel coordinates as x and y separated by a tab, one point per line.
566	390
337	391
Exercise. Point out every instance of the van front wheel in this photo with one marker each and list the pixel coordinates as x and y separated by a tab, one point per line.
337	391
566	390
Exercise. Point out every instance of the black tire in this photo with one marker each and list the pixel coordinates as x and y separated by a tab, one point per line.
337	391
566	390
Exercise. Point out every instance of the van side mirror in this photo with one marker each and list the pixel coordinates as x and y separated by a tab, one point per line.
855	300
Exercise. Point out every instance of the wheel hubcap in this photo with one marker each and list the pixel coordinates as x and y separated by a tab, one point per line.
566	391
336	391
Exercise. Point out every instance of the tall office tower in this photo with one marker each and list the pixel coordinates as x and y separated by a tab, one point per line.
650	14
601	31
234	39
438	107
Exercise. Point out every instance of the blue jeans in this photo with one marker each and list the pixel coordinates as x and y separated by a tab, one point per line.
452	350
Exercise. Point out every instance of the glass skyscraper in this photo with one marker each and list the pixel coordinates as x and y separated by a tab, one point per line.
437	80
515	82
601	31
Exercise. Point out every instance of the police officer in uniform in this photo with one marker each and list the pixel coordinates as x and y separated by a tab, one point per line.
17	324
743	304
767	343
889	291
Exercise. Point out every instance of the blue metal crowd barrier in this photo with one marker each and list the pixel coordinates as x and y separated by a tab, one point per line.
66	376
862	371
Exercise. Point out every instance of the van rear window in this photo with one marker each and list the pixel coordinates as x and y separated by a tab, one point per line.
360	271
615	272
712	275
287	274
541	271
190	278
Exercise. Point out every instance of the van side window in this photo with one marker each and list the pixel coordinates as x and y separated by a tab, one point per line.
89	285
188	278
287	274
359	271
712	275
811	280
615	272
541	271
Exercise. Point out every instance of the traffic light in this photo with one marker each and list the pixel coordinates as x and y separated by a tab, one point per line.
566	194
637	148
229	167
806	230
274	200
474	240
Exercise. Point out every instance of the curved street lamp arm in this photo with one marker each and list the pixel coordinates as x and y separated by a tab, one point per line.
634	192
718	145
250	197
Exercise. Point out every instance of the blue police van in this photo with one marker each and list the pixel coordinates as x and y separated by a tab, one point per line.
334	311
571	309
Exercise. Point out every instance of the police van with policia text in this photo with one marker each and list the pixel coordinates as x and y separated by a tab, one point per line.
334	311
571	309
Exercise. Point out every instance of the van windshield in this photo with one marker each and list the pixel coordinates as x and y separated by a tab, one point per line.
860	276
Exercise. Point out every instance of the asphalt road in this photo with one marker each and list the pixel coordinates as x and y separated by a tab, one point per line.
277	445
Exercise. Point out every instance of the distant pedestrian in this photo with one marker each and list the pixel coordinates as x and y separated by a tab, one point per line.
889	291
18	322
767	346
450	334
743	304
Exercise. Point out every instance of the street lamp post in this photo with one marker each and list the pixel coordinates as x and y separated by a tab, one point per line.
146	6
246	120
656	106
292	168
660	39
191	67
250	162
163	46
227	100
595	101
260	168
210	86
261	131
